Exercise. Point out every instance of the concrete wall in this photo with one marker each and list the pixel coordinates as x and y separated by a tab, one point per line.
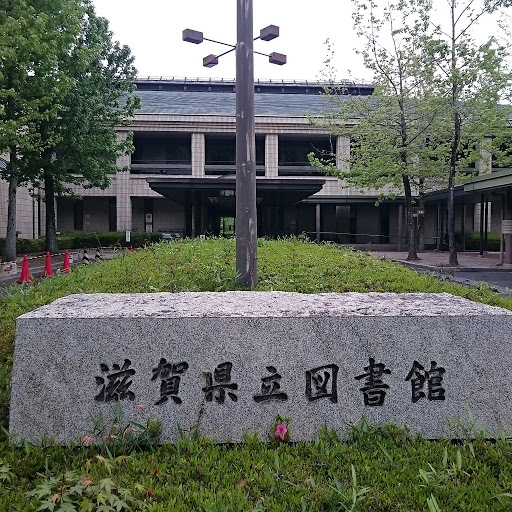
138	213
167	215
27	221
96	214
328	222
496	217
394	223
65	215
430	225
306	218
368	223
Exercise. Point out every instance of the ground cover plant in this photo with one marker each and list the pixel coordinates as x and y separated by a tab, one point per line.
378	468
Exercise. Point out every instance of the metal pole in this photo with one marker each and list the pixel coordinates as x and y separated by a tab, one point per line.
317	221
439	227
246	215
486	224
481	253
502	255
463	226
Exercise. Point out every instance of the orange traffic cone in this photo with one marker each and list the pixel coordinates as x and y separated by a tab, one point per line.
48	270
25	274
131	248
66	267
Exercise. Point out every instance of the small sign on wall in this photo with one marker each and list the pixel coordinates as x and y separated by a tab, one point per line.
506	226
128	235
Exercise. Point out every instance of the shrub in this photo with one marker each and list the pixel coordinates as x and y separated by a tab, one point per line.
472	241
81	239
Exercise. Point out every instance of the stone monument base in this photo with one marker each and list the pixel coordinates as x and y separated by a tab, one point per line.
229	363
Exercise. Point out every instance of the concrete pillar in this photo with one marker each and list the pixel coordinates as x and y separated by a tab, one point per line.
123	201
481	225
198	155
123	212
271	155
484	164
193	219
343	153
123	190
507	214
486	223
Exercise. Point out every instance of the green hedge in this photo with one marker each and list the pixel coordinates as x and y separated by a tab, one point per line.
472	240
80	239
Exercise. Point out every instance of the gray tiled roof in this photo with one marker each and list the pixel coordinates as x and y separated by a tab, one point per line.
223	103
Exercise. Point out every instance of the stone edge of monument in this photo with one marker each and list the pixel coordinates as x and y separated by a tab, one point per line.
259	304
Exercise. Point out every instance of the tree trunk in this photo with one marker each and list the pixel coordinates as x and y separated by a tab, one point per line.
421	217
51	229
10	239
453	261
411	228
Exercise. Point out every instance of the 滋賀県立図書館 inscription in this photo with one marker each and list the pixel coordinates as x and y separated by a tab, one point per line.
319	383
229	363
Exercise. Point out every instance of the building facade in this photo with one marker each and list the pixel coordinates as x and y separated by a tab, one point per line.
181	177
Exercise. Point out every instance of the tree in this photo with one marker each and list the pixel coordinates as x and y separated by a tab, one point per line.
81	143
31	84
471	79
389	129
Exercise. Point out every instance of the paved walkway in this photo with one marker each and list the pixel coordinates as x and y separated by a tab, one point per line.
436	260
472	270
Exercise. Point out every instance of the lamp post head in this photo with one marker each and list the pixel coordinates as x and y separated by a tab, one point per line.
269	33
210	61
277	58
192	36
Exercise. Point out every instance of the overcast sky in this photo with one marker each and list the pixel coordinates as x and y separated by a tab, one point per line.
152	29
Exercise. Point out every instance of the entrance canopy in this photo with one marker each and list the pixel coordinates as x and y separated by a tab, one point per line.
487	185
221	191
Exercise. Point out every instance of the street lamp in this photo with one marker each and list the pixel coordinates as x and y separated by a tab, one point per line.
246	213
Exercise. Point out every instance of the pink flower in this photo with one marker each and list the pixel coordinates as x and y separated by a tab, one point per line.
140	406
86	441
281	432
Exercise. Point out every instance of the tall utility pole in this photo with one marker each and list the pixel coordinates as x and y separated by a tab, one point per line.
246	213
246	228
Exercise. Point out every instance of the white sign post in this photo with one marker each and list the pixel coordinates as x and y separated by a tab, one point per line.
128	235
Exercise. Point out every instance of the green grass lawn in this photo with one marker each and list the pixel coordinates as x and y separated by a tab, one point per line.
378	468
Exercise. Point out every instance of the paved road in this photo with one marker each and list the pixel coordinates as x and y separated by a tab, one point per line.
472	270
502	281
37	264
